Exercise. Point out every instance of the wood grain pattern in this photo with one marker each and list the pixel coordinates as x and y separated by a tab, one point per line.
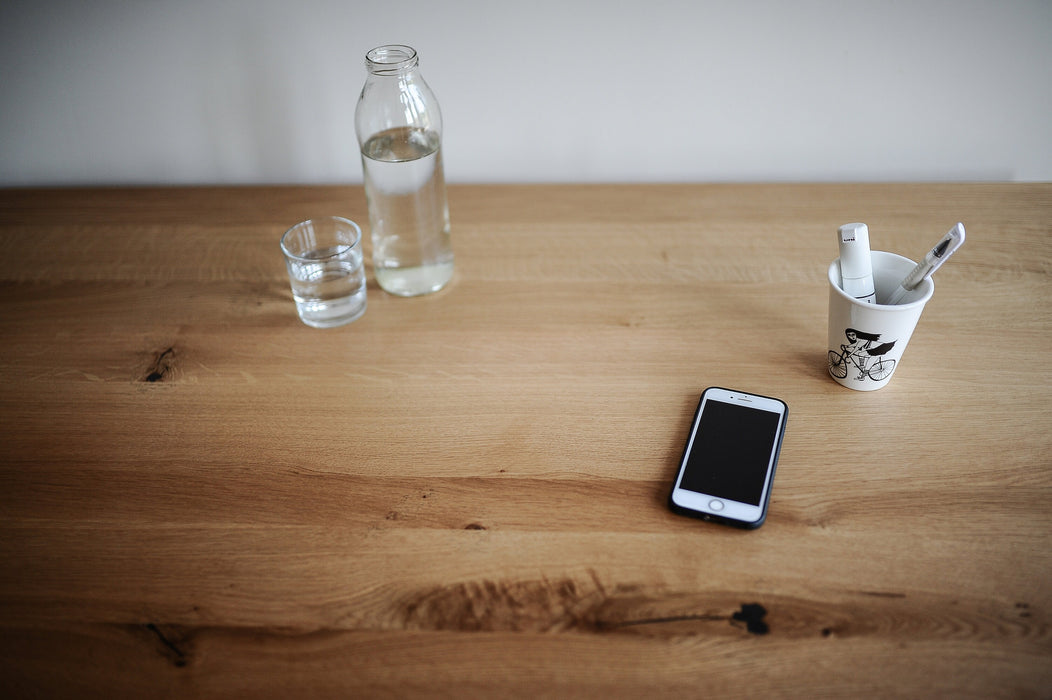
463	495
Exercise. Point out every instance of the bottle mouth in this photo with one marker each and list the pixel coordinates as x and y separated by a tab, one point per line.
390	59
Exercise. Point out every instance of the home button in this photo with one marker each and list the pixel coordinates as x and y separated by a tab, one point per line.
716	505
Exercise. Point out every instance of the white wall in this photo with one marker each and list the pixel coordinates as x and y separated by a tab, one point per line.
245	91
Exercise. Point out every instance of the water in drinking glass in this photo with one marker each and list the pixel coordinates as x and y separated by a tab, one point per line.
329	292
324	262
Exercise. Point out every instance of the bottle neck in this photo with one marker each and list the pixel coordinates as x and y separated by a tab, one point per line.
391	60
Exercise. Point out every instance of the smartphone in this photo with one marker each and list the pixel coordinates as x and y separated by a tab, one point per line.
727	469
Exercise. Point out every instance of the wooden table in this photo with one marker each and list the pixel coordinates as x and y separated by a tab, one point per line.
464	494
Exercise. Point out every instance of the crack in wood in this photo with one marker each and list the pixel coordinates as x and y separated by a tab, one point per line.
752	615
666	620
162	366
171	650
882	594
566	605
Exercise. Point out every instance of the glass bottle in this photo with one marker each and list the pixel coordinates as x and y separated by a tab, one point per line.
399	129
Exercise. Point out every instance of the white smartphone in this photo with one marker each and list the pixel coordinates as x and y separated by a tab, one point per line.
728	465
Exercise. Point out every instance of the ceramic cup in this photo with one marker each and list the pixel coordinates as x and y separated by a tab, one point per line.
866	341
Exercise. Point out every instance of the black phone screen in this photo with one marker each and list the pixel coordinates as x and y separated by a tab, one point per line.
730	452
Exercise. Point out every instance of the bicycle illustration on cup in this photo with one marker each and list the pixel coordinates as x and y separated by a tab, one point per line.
858	352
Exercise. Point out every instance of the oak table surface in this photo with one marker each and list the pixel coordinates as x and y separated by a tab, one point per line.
464	494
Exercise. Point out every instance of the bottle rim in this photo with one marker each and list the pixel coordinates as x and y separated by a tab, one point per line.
391	59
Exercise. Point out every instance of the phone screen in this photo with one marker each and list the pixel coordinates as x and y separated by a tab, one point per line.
731	451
